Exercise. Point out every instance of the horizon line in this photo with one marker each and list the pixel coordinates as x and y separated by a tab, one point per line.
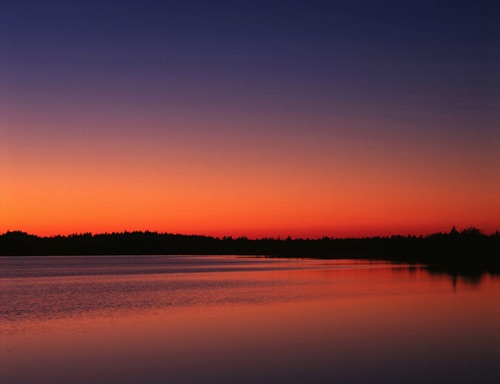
462	230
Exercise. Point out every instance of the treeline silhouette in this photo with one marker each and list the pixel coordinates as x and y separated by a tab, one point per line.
466	252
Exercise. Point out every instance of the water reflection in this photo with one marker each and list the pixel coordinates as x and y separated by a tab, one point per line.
469	278
228	319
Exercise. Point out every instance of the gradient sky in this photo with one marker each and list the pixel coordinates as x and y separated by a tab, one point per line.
272	118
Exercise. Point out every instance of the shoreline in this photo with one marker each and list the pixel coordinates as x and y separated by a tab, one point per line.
466	253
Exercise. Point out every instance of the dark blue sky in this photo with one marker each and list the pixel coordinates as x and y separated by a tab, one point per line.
443	47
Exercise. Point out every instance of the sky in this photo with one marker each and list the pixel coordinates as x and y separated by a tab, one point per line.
250	118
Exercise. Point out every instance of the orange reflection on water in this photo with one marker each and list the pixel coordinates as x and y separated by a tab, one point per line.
301	321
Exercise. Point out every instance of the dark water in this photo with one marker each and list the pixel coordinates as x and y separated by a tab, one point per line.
218	319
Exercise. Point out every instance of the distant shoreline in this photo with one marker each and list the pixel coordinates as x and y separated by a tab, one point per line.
465	252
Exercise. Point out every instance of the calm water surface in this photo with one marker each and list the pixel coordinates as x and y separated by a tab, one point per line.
220	319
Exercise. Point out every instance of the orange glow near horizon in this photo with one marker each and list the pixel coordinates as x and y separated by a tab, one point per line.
251	186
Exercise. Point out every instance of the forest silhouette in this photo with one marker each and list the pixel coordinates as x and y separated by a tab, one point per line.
468	252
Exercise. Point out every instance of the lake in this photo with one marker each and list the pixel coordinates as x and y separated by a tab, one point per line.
228	319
